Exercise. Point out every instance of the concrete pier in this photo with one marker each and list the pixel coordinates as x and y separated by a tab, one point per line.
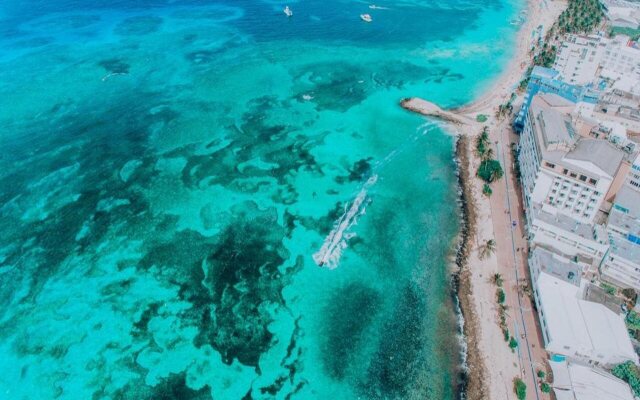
430	109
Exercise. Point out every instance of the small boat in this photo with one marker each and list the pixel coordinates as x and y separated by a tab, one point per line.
288	11
366	17
375	7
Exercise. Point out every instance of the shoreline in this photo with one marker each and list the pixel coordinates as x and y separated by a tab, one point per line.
472	284
539	13
474	379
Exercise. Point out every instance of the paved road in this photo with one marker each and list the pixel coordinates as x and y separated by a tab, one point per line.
506	207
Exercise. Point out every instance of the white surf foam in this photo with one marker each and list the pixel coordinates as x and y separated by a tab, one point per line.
331	251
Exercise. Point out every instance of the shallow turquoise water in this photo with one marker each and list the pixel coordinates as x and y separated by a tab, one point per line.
169	169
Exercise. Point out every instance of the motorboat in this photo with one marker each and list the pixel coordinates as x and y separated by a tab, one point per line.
366	17
288	11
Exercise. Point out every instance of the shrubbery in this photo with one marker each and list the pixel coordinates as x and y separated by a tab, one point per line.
544	387
520	389
490	170
486	190
501	296
629	373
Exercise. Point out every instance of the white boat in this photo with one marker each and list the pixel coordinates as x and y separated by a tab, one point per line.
288	11
366	17
375	7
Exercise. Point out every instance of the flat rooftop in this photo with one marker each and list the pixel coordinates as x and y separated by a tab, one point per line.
557	267
599	152
580	382
563	222
590	327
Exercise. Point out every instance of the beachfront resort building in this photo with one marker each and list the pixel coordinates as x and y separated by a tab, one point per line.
572	381
586	60
546	80
579	58
579	330
621	264
566	178
621	59
618	107
563	171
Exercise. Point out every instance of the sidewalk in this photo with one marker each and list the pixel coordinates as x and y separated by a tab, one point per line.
511	245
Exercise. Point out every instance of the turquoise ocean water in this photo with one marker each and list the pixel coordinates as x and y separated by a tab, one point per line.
169	169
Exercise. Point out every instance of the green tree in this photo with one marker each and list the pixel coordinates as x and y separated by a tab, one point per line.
488	248
490	170
513	343
497	279
486	190
500	295
488	154
631	295
608	288
520	389
482	142
544	387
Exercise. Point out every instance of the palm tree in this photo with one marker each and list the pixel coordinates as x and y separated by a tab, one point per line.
482	142
488	248
497	279
496	173
488	154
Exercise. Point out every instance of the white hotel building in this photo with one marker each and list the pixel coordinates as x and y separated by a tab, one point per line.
621	265
565	178
572	381
580	330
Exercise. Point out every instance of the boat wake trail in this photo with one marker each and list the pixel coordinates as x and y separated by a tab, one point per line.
329	254
337	240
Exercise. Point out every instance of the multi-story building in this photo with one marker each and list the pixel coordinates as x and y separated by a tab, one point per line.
621	13
580	330
579	57
621	59
541	259
572	381
621	264
586	244
620	107
562	171
546	80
